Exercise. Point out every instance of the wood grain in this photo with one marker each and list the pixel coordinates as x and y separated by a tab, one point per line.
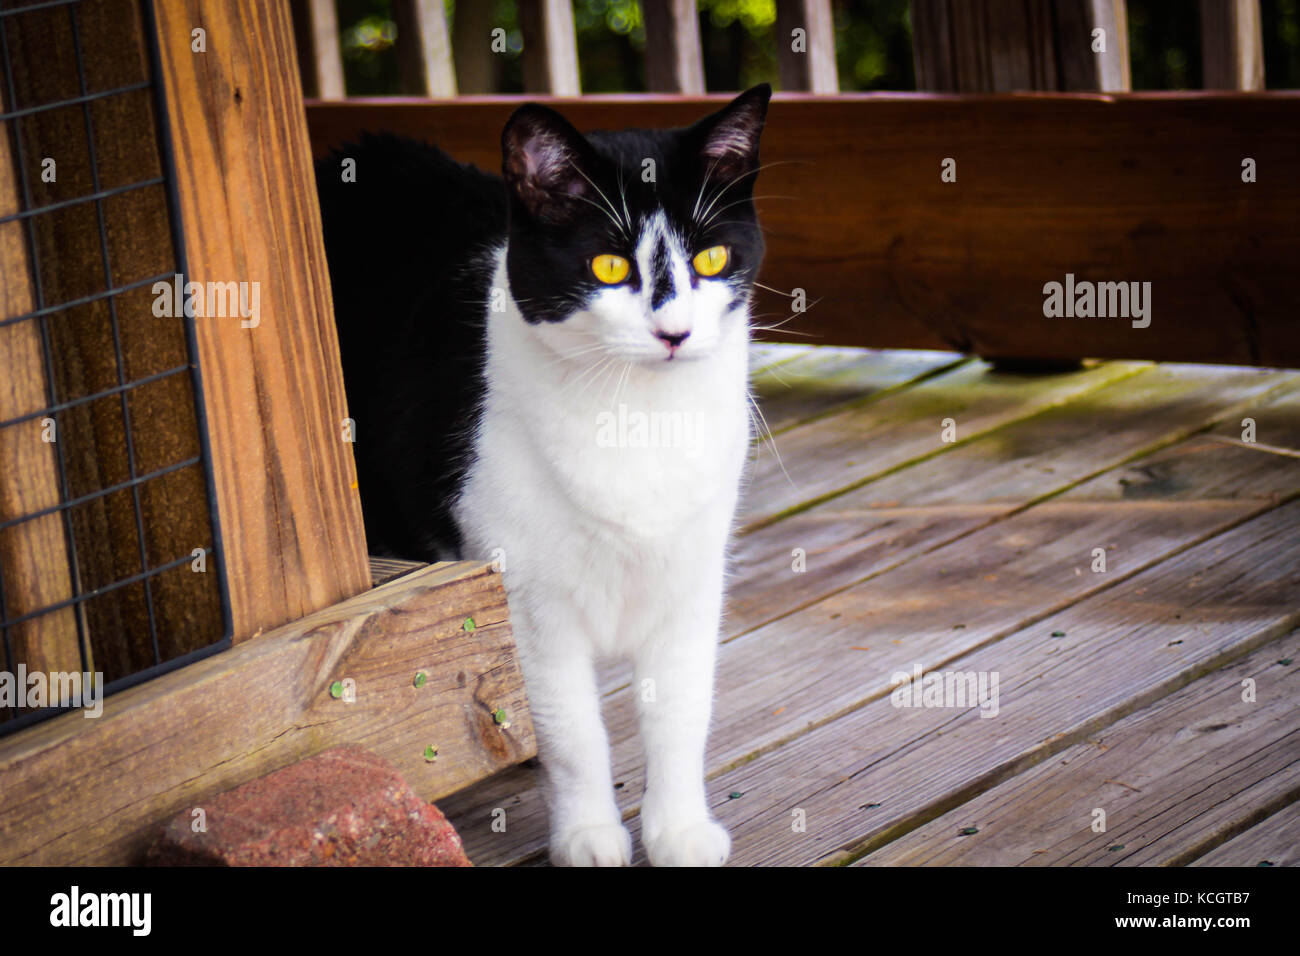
316	36
1174	780
550	47
813	68
90	791
285	478
674	62
1275	840
893	257
917	763
424	48
1232	45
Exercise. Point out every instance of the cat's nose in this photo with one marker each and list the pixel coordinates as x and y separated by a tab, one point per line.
672	339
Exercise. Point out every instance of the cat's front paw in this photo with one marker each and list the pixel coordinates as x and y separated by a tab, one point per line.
703	843
604	844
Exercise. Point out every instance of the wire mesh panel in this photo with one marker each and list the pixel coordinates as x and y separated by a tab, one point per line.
108	540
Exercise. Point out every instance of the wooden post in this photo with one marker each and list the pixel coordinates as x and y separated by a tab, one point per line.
316	33
285	477
1232	45
990	46
424	48
550	47
472	48
673	60
807	61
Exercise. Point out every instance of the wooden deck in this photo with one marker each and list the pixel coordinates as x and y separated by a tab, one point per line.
1160	691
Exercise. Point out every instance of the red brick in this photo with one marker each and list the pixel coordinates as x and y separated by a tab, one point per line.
343	807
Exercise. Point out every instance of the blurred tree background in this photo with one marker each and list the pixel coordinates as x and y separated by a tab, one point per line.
873	44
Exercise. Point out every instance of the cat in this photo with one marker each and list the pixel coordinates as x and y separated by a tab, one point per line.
550	368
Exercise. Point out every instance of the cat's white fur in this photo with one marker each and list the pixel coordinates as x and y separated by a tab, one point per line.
615	551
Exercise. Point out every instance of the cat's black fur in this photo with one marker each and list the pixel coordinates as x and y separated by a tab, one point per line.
409	246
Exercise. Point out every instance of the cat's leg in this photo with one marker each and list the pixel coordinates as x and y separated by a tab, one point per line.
674	685
586	828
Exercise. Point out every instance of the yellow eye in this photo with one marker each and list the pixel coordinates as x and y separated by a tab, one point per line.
610	270
711	261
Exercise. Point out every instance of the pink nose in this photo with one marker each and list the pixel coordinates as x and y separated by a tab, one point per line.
672	339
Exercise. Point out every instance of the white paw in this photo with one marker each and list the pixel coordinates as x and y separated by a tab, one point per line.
604	844
704	843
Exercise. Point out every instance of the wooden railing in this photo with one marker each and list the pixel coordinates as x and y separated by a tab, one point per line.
1059	171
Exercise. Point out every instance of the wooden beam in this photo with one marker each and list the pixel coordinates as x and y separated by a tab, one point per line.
1232	45
424	48
674	62
1081	67
890	256
550	47
285	476
316	36
81	791
806	62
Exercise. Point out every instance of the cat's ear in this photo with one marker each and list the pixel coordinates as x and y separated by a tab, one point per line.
546	162
728	139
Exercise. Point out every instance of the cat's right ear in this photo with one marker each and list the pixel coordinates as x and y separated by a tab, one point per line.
546	162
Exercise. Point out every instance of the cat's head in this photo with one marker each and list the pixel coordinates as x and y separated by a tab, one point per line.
640	244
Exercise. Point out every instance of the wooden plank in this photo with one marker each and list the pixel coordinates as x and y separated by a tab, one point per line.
673	60
837	453
550	47
424	48
825	378
1232	45
962	265
472	47
90	792
1080	66
923	505
806	59
1222	598
316	39
1173	780
34	571
383	570
1274	841
794	674
285	478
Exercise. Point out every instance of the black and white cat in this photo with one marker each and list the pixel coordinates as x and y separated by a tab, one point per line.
552	370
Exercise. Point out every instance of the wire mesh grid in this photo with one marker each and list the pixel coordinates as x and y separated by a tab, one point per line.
150	596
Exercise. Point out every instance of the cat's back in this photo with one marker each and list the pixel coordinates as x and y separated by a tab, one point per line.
409	239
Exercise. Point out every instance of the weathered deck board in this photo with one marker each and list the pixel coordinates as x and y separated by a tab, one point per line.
827	378
841	451
880	771
1130	426
1274	841
1182	775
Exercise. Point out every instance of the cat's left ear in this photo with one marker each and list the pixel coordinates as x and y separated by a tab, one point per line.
546	162
729	138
